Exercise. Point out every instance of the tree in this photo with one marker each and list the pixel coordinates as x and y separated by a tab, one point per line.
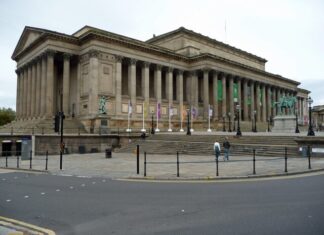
6	116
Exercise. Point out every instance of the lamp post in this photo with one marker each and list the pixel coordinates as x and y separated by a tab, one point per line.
224	128
268	121
255	126
296	130
310	127
152	129
238	132
229	122
188	122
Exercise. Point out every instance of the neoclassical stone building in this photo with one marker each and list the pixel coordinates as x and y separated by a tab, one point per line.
173	71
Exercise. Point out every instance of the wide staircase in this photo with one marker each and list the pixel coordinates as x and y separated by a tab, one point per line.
41	126
203	145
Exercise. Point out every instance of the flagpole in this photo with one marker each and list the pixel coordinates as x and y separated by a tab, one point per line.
143	130
209	130
181	116
129	111
170	130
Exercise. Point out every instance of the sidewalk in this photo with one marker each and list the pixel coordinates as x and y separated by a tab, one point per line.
124	166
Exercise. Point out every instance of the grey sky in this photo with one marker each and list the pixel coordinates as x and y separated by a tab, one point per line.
289	34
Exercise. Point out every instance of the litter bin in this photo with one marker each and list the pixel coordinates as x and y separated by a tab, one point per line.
108	153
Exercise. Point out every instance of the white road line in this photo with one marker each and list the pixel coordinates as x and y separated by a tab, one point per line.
8	200
82	185
84	176
26	196
58	190
42	193
103	180
3	179
93	182
71	187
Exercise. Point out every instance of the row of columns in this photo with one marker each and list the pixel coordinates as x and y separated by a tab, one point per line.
35	87
263	108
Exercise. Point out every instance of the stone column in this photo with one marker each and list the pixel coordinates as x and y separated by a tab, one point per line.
239	87
169	85
43	86
215	98
253	108
231	100
93	82
158	83
180	91
269	102
132	82
245	100
33	90
118	84
29	91
224	94
264	104
206	92
66	84
50	84
38	87
194	89
25	94
258	106
18	72
146	86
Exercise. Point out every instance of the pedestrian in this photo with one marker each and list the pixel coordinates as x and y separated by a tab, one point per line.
226	146
217	149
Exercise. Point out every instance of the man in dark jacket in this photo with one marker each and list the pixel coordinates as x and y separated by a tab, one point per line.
226	146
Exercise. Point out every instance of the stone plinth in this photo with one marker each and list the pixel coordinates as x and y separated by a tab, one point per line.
284	124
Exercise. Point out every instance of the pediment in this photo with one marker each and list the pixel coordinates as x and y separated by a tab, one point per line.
28	36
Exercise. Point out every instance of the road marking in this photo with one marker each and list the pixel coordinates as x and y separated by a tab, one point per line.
42	193
58	190
8	200
84	176
71	187
37	230
26	196
3	179
103	180
93	182
82	185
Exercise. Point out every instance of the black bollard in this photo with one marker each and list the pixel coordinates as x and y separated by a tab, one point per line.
178	174
46	160
309	157
6	161
286	170
17	161
254	162
137	158
30	160
144	164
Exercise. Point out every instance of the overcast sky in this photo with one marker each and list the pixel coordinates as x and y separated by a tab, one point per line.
289	34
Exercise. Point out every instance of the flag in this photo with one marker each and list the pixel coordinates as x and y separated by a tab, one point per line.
170	111
194	112
220	90
130	108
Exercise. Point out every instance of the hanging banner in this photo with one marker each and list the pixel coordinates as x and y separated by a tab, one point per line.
260	95
219	90
235	92
158	110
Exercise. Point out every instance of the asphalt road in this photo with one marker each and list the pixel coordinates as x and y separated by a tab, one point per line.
75	205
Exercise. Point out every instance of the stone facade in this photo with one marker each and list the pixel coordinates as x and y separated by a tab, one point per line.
167	74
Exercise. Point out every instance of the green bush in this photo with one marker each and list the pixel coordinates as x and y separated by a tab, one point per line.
6	116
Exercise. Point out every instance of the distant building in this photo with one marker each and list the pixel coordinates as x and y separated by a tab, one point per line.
169	73
318	117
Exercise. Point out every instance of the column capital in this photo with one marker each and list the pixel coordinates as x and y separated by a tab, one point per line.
170	69
146	64
50	52
119	58
206	70
158	67
132	61
193	73
67	56
179	72
215	73
93	53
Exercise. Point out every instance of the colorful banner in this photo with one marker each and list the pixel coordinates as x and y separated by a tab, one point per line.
235	92
220	90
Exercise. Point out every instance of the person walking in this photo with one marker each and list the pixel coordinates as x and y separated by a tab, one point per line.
217	149
226	146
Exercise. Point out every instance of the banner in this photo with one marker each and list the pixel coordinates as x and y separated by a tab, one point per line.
235	92
130	108
194	112
158	110
220	90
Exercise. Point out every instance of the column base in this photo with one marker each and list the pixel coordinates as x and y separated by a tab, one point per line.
157	130
181	130
169	130
209	130
143	130
128	130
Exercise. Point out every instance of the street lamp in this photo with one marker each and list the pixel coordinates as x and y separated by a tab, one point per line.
224	128
268	121
152	129
229	122
296	130
238	132
255	120
310	127
188	122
